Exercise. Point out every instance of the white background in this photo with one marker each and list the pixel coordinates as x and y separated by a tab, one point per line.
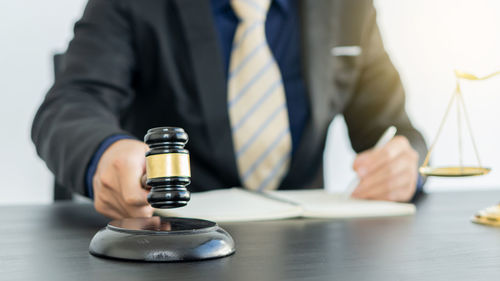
426	40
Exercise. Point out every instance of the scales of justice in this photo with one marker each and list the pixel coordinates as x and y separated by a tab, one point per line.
491	215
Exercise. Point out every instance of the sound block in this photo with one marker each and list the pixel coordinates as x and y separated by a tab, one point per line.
160	239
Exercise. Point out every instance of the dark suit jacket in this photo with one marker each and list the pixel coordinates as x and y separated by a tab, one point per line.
134	65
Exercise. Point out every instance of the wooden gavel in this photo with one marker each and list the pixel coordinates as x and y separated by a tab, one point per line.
167	167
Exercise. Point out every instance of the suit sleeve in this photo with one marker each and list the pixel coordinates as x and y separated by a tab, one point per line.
83	106
379	99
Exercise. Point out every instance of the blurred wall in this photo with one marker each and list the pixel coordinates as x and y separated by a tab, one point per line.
30	32
426	39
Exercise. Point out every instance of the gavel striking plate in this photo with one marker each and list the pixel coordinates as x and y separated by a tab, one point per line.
162	239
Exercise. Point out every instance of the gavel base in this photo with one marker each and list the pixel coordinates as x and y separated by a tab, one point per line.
160	239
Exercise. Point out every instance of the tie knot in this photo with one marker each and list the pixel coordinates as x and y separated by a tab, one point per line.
251	10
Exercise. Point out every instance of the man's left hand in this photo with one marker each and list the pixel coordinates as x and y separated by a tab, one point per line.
387	173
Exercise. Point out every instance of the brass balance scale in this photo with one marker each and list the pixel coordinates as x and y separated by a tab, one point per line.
488	216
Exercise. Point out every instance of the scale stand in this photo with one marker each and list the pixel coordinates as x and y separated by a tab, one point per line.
489	216
460	170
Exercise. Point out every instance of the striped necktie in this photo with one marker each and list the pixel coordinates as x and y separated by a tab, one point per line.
256	102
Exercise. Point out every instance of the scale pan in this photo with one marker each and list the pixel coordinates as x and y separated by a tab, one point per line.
457	171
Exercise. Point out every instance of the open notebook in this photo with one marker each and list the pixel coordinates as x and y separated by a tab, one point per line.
236	204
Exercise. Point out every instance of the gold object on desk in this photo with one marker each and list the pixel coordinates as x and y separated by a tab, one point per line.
489	216
460	170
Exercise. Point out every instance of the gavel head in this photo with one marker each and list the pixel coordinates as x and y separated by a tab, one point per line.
167	167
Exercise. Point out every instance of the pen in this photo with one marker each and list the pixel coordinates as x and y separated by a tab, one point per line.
385	138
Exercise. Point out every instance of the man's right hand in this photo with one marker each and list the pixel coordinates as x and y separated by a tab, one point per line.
118	191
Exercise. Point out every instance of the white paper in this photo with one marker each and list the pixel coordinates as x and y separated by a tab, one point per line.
321	204
236	204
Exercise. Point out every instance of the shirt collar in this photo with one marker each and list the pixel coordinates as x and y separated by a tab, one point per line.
219	5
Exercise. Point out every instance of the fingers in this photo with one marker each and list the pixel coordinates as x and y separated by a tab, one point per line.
133	196
382	175
129	174
388	183
118	187
117	209
369	161
148	223
103	201
140	212
387	173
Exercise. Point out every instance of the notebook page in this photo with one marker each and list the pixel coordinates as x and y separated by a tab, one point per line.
320	204
233	205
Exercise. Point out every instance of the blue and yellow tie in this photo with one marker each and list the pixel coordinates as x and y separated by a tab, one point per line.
256	102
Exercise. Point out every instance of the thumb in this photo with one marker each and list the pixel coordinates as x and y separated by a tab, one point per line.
130	180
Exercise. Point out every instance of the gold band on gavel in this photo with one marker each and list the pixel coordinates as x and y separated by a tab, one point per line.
168	165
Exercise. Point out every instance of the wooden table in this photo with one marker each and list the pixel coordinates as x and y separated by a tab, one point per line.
439	243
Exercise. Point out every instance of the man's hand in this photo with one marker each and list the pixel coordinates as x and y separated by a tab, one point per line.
118	191
387	173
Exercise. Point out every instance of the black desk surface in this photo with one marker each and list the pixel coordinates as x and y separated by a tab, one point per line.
438	243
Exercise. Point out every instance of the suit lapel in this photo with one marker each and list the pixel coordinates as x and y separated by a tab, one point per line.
208	72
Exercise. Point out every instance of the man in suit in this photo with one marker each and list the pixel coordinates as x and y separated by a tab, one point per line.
255	83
